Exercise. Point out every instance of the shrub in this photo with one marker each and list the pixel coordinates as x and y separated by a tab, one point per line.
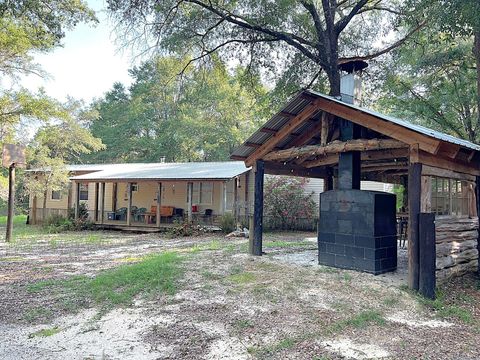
286	205
58	223
227	223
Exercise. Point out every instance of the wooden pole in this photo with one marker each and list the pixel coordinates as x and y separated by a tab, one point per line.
477	201
159	204
129	203
427	254
189	201
77	200
102	208
256	233
11	202
235	200
95	213
114	197
414	196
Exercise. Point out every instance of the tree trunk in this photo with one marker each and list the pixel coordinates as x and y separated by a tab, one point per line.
44	209
476	52
334	81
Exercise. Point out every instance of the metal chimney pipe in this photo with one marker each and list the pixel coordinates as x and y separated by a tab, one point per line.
349	165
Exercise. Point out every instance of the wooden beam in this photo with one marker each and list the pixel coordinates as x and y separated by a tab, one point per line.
256	228
282	133
287	114
322	161
471	155
448	174
102	206
158	213
251	144
448	164
308	134
427	255
414	195
274	168
97	197
77	200
426	191
387	128
381	168
236	157
335	147
448	150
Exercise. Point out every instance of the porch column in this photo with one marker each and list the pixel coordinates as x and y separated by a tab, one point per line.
77	200
129	203
96	195
189	201
414	203
235	199
224	197
114	197
256	225
477	201
102	207
159	203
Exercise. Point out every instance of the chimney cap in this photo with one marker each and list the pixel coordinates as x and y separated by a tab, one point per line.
351	66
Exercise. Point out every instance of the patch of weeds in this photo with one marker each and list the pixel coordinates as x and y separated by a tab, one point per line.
285	343
12	259
359	321
34	314
391	301
211	275
444	310
119	286
287	244
130	259
235	269
327	270
45	332
405	288
230	248
347	277
242	278
243	324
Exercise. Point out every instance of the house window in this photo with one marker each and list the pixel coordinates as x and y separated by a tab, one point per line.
134	187
83	192
450	197
202	193
56	195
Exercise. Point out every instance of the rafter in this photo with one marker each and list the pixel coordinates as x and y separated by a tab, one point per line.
282	133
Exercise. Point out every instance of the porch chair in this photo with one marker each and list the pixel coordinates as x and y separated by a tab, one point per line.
207	216
121	214
138	215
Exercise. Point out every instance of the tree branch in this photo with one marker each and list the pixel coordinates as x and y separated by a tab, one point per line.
385	50
342	23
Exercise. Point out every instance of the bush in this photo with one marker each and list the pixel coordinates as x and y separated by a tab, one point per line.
286	205
58	223
227	223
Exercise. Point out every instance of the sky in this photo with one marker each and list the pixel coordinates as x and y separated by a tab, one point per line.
88	63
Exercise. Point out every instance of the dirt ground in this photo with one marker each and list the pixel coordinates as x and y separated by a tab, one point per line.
228	305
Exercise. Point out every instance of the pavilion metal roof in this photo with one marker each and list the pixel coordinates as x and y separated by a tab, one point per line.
300	101
168	171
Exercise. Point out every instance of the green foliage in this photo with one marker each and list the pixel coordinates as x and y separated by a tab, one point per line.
399	191
446	310
359	321
227	223
200	116
286	204
45	332
156	274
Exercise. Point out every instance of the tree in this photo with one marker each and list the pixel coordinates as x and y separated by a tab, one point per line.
297	39
56	144
200	116
436	79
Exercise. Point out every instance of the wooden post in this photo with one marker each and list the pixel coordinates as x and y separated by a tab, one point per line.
224	197
102	207
427	254
414	196
256	232
477	201
11	202
159	204
129	203
77	200
189	201
328	181
114	196
69	197
95	213
235	200
247	195
426	201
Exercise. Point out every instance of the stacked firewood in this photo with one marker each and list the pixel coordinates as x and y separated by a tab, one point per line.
456	246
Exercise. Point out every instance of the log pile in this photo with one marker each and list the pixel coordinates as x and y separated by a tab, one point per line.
456	246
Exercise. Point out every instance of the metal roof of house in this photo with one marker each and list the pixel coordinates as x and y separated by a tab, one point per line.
168	171
299	102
